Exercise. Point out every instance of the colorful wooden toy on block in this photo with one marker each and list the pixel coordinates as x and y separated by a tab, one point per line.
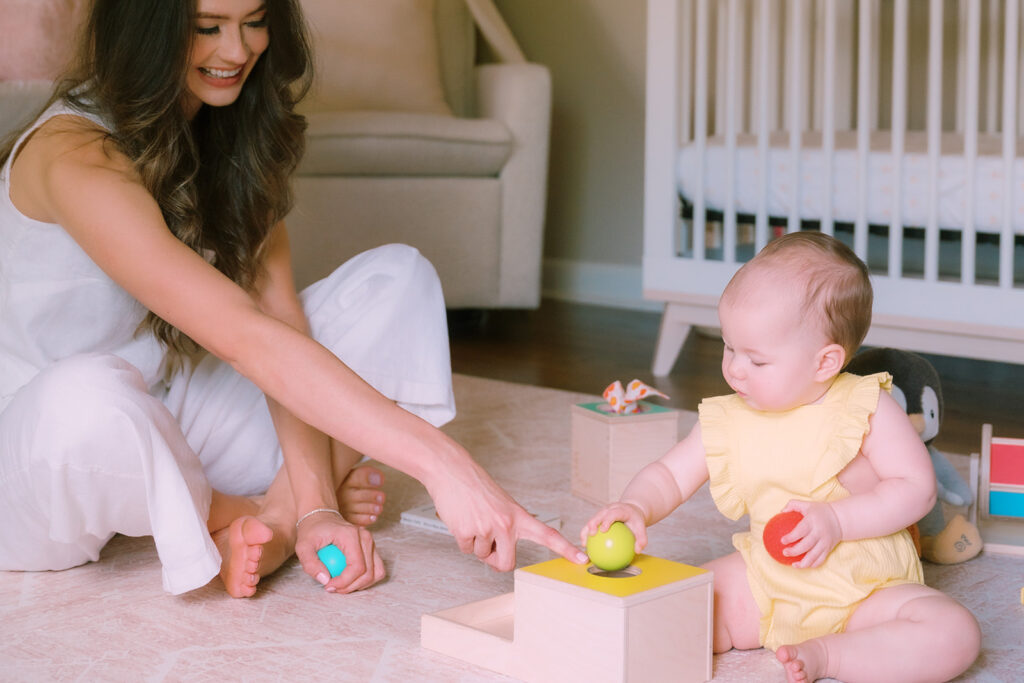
1000	487
649	622
609	448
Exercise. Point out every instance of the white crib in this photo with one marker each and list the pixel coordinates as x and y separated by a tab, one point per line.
766	116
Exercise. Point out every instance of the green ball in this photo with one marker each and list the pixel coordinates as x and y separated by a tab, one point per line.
612	550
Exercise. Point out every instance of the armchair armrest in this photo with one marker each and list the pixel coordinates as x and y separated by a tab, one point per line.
519	95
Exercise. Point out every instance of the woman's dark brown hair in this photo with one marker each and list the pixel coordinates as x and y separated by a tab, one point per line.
222	178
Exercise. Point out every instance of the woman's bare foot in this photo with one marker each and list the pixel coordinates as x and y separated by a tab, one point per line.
254	545
226	508
805	662
360	499
242	550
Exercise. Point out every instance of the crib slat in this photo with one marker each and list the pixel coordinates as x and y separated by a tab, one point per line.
685	28
967	246
876	60
1010	86
744	71
864	51
661	196
732	78
828	115
992	68
796	71
1020	70
700	126
766	29
721	59
961	65
899	127
934	123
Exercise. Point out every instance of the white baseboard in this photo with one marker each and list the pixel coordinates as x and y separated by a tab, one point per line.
600	284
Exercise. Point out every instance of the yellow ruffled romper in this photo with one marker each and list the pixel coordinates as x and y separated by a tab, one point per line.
759	461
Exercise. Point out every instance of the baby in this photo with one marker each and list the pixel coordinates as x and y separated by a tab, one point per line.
800	435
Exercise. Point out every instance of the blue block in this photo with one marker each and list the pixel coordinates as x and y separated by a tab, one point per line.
1006	504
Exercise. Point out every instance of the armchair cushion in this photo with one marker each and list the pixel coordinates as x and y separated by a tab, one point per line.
36	37
20	101
375	55
358	143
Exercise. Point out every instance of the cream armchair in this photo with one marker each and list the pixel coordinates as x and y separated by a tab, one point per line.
410	140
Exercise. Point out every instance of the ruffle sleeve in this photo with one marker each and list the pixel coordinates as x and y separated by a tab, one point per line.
854	400
714	428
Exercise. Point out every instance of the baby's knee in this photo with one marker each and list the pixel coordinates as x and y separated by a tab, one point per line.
961	637
954	633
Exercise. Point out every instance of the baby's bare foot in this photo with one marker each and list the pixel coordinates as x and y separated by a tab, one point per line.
805	662
360	498
241	548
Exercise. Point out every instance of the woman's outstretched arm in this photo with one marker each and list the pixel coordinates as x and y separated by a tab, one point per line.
96	196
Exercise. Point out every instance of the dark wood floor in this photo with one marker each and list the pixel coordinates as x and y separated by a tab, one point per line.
583	348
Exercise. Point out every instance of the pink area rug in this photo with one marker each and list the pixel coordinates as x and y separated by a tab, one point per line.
110	620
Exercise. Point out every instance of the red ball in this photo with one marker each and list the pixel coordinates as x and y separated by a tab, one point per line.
777	527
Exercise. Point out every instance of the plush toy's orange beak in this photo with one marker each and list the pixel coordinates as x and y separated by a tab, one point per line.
917	419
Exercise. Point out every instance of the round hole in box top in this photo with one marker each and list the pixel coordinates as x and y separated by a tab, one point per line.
626	573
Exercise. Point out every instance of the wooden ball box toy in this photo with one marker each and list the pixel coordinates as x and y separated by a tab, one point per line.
650	622
609	448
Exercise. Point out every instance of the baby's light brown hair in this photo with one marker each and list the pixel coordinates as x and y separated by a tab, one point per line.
837	288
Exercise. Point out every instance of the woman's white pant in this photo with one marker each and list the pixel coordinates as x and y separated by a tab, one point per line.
86	450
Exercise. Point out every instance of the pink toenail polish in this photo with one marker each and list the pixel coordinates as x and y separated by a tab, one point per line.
375	479
322	578
330	589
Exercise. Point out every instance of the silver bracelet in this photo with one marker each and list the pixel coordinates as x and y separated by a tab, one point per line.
313	512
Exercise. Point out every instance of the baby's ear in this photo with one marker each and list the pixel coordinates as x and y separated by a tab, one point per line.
831	359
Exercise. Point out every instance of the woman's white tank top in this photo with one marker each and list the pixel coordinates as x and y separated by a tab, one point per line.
55	302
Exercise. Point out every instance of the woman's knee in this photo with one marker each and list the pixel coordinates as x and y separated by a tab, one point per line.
407	265
83	400
82	377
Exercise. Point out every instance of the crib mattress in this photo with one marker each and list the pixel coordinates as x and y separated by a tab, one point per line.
989	173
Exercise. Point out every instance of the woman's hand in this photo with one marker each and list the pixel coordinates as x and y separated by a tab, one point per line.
364	566
816	534
487	522
627	513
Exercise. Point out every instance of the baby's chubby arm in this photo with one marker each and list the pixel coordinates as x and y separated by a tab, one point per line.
655	491
904	494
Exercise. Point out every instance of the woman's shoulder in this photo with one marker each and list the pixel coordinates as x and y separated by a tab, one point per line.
61	154
70	142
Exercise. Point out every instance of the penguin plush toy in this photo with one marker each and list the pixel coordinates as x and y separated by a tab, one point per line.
916	387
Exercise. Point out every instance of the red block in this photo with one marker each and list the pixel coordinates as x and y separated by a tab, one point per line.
1007	462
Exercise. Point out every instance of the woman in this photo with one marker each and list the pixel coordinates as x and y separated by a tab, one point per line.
142	221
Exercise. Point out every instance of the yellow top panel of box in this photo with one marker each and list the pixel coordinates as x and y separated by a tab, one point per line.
650	572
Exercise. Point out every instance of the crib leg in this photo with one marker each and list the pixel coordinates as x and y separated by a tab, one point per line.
671	336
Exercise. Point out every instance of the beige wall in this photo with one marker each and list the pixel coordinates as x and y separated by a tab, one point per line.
595	50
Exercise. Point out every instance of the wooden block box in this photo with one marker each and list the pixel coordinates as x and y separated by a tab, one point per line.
652	622
1000	493
608	448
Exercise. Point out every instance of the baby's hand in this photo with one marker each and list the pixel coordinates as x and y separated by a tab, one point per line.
629	514
816	534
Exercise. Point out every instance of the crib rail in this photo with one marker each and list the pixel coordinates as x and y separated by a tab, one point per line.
723	72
